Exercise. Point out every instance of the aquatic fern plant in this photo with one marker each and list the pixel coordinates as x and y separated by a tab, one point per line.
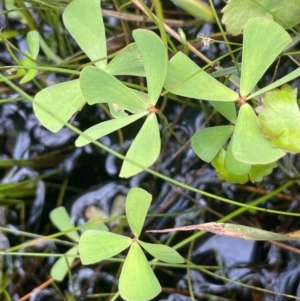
240	151
137	279
261	126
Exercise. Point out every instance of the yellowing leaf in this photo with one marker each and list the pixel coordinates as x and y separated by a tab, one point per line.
279	118
223	173
257	172
239	172
237	13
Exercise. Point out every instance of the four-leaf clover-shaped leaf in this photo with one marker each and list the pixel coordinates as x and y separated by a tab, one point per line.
137	280
99	86
248	146
55	105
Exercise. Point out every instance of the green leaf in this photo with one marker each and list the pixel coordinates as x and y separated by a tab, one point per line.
185	78
257	172
294	74
138	281
279	118
207	142
85	24
162	252
223	173
137	204
60	100
61	267
196	8
127	62
104	128
33	40
61	220
249	144
247	9
98	86
285	12
29	73
97	245
234	166
227	109
143	96
155	60
260	49
144	149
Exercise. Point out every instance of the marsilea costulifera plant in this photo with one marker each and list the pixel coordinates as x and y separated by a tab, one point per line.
98	84
137	280
242	150
250	153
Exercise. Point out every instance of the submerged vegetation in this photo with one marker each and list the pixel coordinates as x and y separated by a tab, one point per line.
184	116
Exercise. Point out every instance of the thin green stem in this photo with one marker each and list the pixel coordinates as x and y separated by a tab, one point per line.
224	35
160	22
159	175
